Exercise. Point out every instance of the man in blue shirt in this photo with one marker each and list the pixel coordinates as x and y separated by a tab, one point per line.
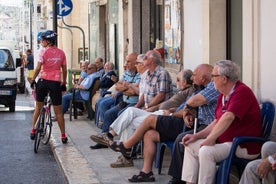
82	93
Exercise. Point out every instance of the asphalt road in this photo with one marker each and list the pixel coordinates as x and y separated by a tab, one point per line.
18	162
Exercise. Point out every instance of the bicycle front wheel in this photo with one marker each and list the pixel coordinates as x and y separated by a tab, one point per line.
39	129
47	128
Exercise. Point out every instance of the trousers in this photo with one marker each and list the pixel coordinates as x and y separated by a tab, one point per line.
250	173
175	168
199	165
129	120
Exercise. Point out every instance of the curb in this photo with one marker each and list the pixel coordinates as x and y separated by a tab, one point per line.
74	166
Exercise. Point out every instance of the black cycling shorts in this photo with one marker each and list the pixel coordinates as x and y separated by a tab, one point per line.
169	127
44	86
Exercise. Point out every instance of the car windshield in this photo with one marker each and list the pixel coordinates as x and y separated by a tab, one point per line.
6	60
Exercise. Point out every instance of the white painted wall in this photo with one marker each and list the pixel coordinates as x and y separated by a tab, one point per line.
268	49
193	49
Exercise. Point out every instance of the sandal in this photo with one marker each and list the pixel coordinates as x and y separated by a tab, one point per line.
142	177
119	147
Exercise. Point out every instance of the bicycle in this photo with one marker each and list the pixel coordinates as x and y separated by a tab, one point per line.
43	126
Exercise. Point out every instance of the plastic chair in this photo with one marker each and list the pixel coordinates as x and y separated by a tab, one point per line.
160	149
73	109
267	114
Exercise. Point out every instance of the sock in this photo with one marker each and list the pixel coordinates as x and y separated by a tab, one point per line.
110	136
33	131
63	135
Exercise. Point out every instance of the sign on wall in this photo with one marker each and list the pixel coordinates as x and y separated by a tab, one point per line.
64	7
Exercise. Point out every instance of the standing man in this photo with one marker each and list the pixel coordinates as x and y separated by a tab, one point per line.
52	62
29	65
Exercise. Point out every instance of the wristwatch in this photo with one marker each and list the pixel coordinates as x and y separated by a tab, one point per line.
270	159
188	107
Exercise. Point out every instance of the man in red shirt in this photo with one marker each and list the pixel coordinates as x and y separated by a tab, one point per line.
237	114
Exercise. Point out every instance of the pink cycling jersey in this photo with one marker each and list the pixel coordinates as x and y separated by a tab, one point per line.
52	58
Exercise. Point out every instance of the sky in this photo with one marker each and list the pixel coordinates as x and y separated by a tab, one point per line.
11	2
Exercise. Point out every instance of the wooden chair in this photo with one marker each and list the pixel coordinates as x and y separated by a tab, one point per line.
73	109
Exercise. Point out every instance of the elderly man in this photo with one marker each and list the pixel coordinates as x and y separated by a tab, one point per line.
83	73
157	86
83	86
166	128
261	171
107	113
132	117
237	114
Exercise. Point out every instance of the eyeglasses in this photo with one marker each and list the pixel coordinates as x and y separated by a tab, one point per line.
213	75
90	68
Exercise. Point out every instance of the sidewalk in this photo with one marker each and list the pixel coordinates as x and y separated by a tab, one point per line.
81	165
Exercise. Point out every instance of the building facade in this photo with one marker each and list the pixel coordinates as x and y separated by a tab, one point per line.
191	32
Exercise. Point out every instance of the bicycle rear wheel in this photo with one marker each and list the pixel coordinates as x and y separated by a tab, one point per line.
47	128
39	130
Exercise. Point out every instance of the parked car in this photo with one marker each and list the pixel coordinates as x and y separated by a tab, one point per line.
8	78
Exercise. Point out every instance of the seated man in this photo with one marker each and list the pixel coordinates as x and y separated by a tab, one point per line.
132	117
83	74
166	128
108	78
105	105
158	86
100	66
261	171
237	114
83	86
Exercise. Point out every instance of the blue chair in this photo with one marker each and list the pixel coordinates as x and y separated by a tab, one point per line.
160	149
224	169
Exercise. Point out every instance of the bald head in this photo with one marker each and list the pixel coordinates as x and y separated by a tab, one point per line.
131	61
202	74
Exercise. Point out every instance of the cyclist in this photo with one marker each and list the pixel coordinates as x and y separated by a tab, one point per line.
52	61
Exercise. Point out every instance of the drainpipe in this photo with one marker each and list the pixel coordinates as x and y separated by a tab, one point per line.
71	41
77	27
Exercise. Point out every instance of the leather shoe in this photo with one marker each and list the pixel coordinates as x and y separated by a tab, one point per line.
176	181
98	146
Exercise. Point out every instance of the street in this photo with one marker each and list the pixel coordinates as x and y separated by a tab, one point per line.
19	163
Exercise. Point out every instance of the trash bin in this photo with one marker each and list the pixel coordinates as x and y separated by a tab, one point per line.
73	76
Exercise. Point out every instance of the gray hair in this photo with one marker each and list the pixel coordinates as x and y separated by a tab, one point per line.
141	56
186	75
156	56
229	69
111	65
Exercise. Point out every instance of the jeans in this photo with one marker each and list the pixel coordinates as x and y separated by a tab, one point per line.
66	100
103	105
111	114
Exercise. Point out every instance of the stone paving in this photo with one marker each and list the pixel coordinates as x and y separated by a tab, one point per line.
81	165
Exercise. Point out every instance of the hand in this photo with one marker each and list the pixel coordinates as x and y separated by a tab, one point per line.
63	87
188	118
263	168
274	166
207	142
33	84
189	138
166	112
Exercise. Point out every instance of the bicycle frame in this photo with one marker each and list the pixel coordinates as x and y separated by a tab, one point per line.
44	124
